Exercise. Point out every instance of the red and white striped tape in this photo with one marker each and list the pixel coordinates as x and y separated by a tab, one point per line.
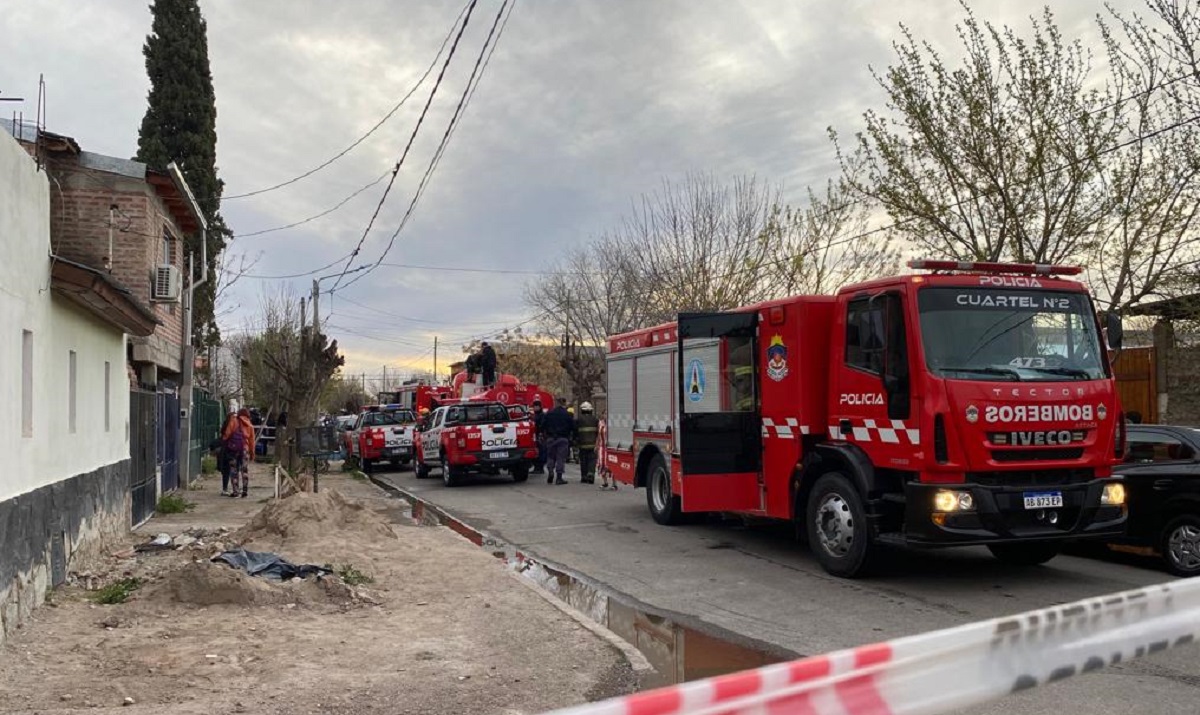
943	670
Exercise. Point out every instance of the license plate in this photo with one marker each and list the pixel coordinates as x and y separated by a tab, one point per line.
396	450
497	455
1043	500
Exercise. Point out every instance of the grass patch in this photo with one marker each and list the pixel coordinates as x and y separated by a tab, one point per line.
358	474
208	464
351	575
173	504
117	592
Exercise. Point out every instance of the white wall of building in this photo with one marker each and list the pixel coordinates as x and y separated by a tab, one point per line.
50	452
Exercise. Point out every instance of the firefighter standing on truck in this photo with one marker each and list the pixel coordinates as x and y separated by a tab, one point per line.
487	362
587	427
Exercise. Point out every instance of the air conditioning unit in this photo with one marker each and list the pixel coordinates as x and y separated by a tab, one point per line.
166	284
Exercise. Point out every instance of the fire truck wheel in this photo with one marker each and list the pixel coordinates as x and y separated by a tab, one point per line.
520	472
837	527
1033	554
664	506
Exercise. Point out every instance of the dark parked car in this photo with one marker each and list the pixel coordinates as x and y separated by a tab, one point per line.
1162	478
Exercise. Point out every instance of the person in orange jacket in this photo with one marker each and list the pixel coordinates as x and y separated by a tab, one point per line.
238	438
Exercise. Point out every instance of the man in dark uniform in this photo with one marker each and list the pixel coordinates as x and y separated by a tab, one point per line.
487	362
587	426
559	427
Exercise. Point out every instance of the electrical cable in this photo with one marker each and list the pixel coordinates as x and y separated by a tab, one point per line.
464	100
370	131
412	138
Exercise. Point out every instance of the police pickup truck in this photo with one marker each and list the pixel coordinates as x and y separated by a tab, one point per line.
476	438
382	433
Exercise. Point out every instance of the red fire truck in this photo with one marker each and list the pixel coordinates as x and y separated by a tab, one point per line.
508	390
971	405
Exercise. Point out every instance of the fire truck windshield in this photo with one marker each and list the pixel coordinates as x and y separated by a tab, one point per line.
992	334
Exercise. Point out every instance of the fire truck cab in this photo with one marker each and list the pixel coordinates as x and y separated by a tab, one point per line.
971	405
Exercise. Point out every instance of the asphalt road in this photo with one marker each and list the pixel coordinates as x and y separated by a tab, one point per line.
758	582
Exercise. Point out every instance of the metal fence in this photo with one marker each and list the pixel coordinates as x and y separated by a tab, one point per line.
143	477
207	416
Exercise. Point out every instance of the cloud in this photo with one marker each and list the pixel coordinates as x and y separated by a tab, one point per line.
585	105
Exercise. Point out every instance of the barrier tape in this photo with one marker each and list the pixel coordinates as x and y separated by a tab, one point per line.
943	670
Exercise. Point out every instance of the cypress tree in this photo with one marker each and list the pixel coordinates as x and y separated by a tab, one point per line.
180	125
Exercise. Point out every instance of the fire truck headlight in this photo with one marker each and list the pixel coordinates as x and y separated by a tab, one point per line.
948	500
1114	494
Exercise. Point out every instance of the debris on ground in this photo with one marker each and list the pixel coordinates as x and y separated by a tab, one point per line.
272	567
307	515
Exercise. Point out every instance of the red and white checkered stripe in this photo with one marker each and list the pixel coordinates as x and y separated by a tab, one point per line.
893	432
788	428
944	670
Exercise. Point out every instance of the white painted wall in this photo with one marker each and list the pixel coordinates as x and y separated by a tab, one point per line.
51	453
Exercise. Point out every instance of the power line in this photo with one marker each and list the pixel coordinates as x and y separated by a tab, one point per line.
412	138
314	217
370	131
314	271
464	100
400	317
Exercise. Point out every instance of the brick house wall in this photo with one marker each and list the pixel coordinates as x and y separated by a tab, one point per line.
83	190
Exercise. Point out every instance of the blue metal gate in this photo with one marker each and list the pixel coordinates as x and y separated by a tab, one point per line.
168	440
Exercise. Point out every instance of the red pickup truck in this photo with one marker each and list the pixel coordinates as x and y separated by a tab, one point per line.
478	438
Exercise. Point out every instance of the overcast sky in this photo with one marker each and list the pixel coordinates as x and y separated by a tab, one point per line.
586	105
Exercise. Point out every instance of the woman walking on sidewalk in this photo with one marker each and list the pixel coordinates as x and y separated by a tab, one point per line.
238	437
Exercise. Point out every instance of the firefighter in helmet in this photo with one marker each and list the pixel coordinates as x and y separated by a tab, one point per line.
587	427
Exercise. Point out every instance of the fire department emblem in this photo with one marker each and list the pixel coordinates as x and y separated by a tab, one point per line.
777	364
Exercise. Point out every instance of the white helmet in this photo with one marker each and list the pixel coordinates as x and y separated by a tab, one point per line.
586	407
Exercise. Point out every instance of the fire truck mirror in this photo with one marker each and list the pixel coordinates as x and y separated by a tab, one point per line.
1114	329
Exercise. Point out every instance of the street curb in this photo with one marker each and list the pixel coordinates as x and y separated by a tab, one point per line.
521	567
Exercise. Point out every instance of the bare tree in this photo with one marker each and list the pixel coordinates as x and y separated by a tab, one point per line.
995	158
287	365
701	246
825	244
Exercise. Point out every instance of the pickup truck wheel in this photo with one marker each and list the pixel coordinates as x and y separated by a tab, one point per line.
520	472
449	473
837	527
368	465
664	506
1180	545
1029	554
422	470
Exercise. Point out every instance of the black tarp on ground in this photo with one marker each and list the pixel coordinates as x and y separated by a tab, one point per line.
268	565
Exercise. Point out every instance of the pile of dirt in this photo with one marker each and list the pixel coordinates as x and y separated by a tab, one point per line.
305	515
204	583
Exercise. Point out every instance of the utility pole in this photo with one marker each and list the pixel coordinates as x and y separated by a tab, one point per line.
435	359
303	313
316	311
